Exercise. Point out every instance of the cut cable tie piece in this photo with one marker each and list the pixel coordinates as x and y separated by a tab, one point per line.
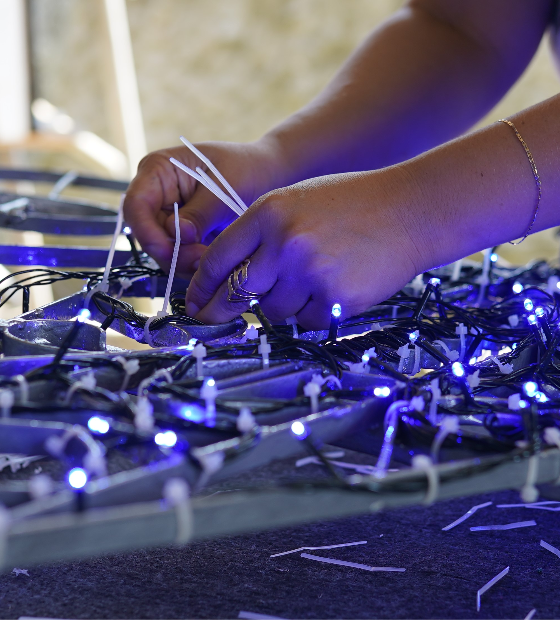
466	516
488	585
118	228
424	463
503	527
550	548
350	544
373	569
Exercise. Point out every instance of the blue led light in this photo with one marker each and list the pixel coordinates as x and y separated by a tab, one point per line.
365	358
166	439
210	382
528	304
542	398
83	315
77	478
413	336
539	312
532	319
523	404
382	392
126	230
472	361
493	257
336	311
192	413
434	281
253	302
299	430
530	388
517	287
457	369
98	425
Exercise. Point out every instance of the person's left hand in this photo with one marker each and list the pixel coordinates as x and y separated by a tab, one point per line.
352	239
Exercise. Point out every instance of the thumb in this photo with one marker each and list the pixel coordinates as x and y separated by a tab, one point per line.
200	216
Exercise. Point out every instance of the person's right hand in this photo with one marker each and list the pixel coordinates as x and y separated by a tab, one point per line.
251	169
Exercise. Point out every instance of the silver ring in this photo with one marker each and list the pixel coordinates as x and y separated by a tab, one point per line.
236	280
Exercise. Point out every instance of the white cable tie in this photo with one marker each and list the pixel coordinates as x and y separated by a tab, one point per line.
147	334
436	395
177	494
251	333
221	196
199	353
449	425
488	585
424	463
550	548
7	399
245	422
264	349
118	228
143	415
165	307
506	526
130	368
86	382
532	505
292	320
452	355
416	367
4	531
218	191
456	273
250	615
312	391
505	369
91	293
403	352
529	492
350	544
18	203
530	615
219	176
40	486
461	331
373	569
62	183
23	388
467	515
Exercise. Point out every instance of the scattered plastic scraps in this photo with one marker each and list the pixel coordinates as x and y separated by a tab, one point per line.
350	544
20	571
467	514
16	461
250	615
550	548
487	586
373	569
536	505
506	526
530	614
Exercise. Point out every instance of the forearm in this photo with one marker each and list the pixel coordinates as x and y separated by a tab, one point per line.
416	82
479	191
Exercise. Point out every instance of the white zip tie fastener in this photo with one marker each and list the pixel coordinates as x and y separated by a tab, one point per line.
350	544
312	391
144	415
550	548
219	176
165	307
466	516
130	368
487	586
7	399
424	463
251	615
536	505
436	395
4	531
373	569
292	320
62	183
501	528
147	334
245	422
264	350
530	615
176	493
448	426
529	492
23	389
118	228
86	382
199	353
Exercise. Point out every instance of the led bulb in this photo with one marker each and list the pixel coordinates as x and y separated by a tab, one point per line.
517	287
126	230
77	478
98	425
298	429
530	388
457	369
382	392
539	312
434	281
365	358
167	439
253	302
528	304
83	315
210	382
532	319
336	311
493	257
413	336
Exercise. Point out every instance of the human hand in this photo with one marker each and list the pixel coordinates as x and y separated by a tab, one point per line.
351	239
252	169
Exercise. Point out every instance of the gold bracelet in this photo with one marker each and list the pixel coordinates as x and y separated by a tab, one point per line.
535	175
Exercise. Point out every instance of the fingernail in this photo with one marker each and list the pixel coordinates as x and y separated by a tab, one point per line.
196	264
189	234
191	309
